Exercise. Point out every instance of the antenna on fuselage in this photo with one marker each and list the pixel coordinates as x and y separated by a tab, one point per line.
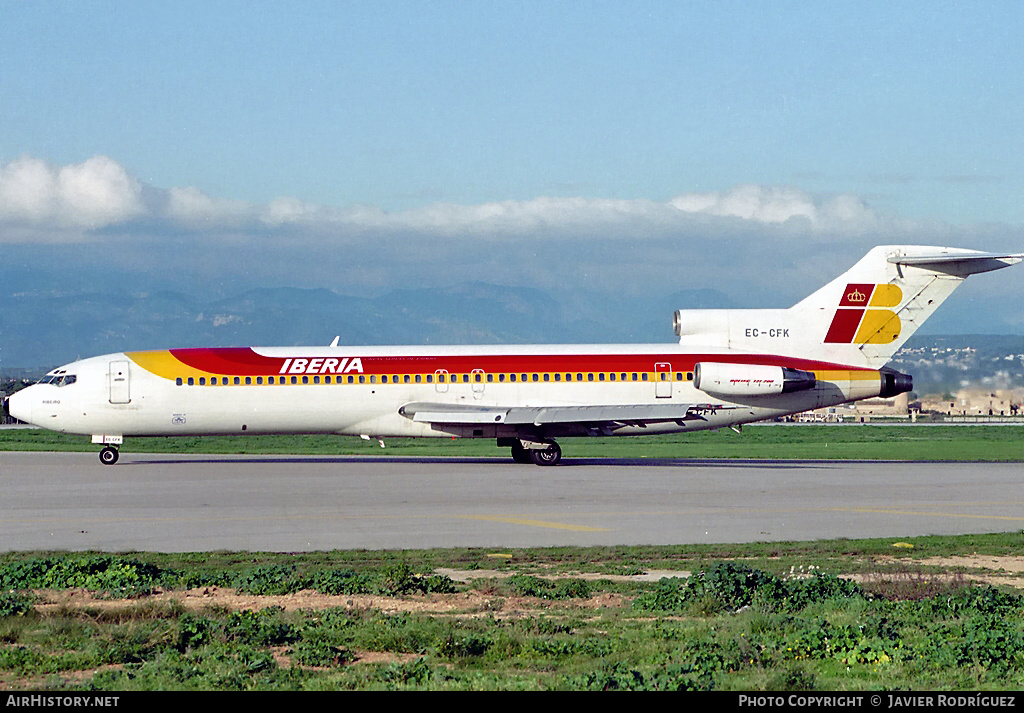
335	342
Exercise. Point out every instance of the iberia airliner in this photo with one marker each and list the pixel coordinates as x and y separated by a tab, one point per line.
730	367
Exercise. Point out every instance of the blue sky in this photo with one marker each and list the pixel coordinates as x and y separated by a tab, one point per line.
440	127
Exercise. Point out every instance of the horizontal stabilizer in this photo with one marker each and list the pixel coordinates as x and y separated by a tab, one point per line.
959	263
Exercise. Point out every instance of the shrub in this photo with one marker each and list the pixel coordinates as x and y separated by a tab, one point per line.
341	581
274	579
101	573
259	628
319	652
15	604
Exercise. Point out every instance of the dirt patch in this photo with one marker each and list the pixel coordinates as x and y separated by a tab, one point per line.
468	575
458	604
988	569
994	563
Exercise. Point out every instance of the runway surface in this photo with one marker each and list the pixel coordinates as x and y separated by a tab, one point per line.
69	501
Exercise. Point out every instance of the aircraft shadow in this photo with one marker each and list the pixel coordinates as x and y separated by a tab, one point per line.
455	460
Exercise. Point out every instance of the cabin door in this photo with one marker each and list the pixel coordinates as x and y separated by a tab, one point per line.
663	380
120	393
441	379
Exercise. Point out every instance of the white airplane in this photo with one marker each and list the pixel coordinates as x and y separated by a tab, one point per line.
730	367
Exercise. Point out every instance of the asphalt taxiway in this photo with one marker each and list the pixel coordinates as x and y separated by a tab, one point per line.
69	501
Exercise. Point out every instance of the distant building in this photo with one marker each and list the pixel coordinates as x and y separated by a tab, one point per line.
977	402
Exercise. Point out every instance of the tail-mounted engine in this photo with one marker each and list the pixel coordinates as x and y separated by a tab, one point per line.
750	379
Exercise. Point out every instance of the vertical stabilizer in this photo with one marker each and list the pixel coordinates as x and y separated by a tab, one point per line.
865	315
861	318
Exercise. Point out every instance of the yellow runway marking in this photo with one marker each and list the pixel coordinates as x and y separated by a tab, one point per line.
534	523
893	511
261	518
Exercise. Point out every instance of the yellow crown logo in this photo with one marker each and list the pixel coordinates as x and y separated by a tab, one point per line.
856	296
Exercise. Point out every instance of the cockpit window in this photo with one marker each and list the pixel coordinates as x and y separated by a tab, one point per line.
59	378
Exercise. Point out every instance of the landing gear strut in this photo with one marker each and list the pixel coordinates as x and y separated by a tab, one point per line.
109	455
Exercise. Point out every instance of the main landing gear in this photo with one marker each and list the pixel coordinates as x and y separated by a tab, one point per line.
536	452
109	455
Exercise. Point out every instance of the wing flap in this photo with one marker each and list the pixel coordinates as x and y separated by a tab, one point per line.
639	414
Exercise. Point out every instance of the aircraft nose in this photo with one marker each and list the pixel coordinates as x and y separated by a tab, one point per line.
19	405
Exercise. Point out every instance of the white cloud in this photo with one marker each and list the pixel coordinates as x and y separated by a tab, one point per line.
777	205
91	194
192	206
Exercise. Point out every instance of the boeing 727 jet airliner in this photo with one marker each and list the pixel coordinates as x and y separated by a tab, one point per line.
730	367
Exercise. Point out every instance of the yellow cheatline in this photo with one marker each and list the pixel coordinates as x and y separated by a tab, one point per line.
163	363
533	523
843	375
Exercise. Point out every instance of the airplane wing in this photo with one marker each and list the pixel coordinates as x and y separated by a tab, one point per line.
600	418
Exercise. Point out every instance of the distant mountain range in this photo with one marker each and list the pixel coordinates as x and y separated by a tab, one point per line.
40	331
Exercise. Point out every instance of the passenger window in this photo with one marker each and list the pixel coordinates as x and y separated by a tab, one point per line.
238	380
191	381
202	381
490	378
405	378
362	379
590	376
259	380
536	377
611	377
178	381
547	377
511	377
600	377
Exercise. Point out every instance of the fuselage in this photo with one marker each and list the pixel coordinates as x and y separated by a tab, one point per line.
362	390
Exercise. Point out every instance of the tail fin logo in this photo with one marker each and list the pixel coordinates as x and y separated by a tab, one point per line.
860	318
855	296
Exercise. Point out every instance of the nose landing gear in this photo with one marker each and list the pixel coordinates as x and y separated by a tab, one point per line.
109	455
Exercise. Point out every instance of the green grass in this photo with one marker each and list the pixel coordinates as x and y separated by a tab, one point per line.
739	622
858	442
